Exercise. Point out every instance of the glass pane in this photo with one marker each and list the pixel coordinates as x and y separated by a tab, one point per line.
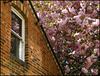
14	45
16	24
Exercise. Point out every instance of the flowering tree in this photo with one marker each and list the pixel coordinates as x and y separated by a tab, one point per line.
72	28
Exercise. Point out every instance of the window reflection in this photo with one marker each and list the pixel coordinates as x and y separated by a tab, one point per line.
16	24
14	45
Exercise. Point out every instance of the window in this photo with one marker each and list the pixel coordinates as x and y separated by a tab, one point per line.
17	35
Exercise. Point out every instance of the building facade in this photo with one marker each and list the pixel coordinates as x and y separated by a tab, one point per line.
24	48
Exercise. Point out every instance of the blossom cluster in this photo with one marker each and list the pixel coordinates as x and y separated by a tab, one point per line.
72	28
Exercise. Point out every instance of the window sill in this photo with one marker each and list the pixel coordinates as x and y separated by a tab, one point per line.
18	60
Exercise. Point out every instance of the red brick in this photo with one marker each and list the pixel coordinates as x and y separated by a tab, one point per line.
33	36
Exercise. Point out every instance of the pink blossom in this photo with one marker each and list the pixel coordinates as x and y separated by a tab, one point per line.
91	57
42	21
96	2
72	10
76	34
97	43
59	43
67	69
64	11
96	23
94	71
88	64
91	44
65	48
56	3
89	8
82	52
74	46
76	4
89	61
78	20
49	37
96	31
68	42
85	22
57	9
78	41
39	15
98	52
70	17
84	70
83	4
85	46
64	22
69	31
43	14
59	28
95	13
94	60
53	38
70	61
68	37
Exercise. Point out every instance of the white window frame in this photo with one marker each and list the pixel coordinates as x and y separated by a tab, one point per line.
22	37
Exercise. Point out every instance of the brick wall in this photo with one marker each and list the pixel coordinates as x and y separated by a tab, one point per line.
39	59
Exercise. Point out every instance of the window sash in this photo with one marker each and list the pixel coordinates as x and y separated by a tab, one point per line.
18	36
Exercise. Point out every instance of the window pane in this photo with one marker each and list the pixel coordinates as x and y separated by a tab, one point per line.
14	45
16	24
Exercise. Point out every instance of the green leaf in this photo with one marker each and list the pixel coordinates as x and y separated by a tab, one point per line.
85	27
82	17
94	52
48	28
90	21
62	63
69	3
